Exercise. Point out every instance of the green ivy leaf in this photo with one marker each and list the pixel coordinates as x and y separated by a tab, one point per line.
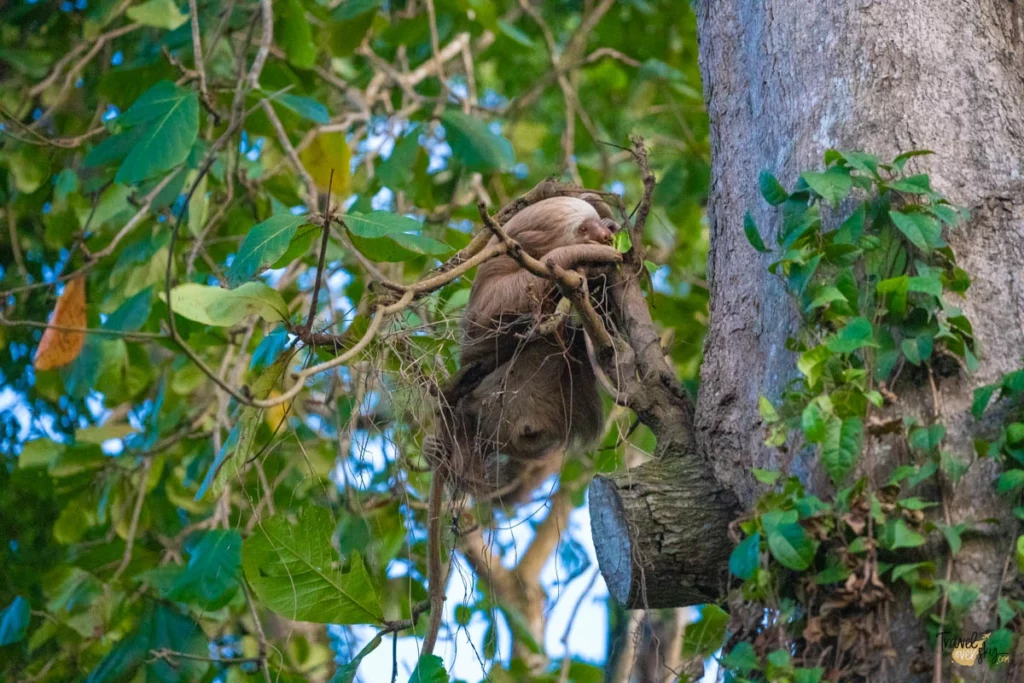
158	13
923	231
1020	554
294	571
915	184
841	448
264	244
901	161
982	395
226	307
833	185
1010	481
787	540
745	557
742	658
896	534
857	334
704	637
918	349
474	144
767	410
753	236
168	121
771	189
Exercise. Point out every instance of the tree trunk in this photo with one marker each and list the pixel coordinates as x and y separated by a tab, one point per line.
784	81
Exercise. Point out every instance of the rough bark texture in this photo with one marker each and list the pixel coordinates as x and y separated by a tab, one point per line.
658	534
785	80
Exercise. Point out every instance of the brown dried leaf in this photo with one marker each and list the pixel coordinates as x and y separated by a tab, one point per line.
59	346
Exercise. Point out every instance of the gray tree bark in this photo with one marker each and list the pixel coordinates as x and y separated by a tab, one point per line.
785	80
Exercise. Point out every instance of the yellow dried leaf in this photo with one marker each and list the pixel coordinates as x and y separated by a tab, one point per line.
59	345
275	415
325	153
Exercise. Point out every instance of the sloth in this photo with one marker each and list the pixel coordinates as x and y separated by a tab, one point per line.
539	395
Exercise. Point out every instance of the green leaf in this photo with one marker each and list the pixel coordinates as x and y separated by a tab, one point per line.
927	438
1015	433
389	237
787	540
915	184
842	447
210	579
742	658
264	244
930	284
952	534
1010	481
768	477
897	535
306	107
745	557
815	421
168	119
132	314
429	669
294	571
923	231
161	627
918	349
39	453
346	673
767	410
953	466
825	296
833	185
14	620
861	161
901	161
753	236
158	13
923	598
808	675
226	307
293	33
771	189
704	637
1020	554
895	289
474	144
857	334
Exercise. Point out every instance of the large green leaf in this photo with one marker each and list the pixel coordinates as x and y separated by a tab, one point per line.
264	244
923	231
226	307
389	237
705	637
474	144
168	118
294	571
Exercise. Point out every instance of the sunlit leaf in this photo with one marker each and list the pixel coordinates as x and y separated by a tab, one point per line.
264	244
226	307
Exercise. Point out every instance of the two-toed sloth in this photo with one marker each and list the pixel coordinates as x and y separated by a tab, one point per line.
509	433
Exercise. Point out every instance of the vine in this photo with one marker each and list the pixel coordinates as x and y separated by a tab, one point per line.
876	295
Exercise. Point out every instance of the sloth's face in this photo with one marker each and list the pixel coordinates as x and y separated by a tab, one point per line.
596	231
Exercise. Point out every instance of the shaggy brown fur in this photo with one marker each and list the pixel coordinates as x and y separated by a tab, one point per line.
504	437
